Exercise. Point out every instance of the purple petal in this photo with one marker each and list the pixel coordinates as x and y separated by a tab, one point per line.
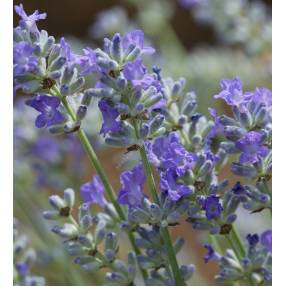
41	121
57	119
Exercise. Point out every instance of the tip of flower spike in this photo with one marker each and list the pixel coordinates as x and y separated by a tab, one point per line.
252	239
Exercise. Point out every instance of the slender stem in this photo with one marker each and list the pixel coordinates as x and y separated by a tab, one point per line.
101	173
237	245
238	241
172	256
73	221
150	178
164	230
95	162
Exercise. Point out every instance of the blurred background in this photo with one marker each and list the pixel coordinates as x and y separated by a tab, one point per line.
201	40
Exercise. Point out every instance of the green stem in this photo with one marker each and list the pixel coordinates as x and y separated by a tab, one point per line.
172	256
73	221
100	171
164	230
237	245
234	233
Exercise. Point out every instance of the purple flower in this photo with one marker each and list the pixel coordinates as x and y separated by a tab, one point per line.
88	61
23	59
93	192
168	182
266	239
212	206
109	115
211	255
251	147
136	72
167	151
51	147
231	92
238	189
136	38
252	239
132	183
22	268
29	22
262	95
47	106
71	57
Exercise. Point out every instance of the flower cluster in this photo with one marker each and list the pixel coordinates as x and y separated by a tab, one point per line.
24	257
254	265
126	90
248	133
157	119
44	68
83	237
235	22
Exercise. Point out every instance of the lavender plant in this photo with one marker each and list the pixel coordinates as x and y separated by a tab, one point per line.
155	117
24	257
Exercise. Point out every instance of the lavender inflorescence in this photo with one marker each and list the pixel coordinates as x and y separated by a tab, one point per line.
254	265
24	258
146	113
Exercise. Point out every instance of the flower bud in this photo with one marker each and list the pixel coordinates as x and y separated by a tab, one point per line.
75	86
243	170
48	45
88	95
205	168
86	240
81	112
84	260
187	271
51	215
246	119
156	122
132	53
111	241
144	130
178	245
56	202
116	277
68	74
86	222
116	51
92	266
54	54
57	64
67	231
69	197
55	74
152	100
